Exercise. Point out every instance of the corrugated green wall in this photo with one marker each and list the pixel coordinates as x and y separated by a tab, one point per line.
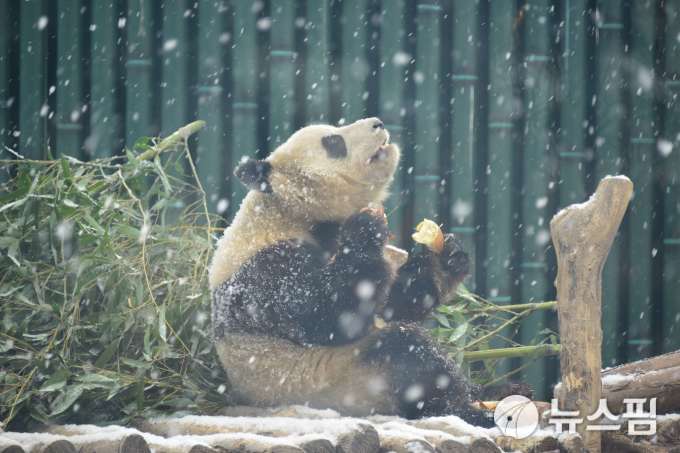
506	111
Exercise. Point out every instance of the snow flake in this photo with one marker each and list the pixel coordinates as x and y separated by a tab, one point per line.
169	45
264	23
222	205
401	59
365	289
42	22
665	147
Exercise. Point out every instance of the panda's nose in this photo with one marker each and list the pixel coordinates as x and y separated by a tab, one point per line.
377	124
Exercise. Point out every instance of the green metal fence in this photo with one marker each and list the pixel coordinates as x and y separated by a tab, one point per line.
506	111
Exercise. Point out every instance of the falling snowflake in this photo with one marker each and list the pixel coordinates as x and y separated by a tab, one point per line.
665	147
169	45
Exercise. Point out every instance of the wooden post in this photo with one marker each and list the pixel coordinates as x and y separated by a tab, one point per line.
582	235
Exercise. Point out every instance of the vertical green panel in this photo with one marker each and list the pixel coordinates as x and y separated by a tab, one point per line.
640	150
390	105
4	84
209	153
69	78
573	102
104	122
316	64
464	80
138	83
499	224
355	67
427	80
282	79
33	110
245	77
670	161
607	154
536	174
175	60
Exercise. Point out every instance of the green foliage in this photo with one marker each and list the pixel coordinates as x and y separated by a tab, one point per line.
473	329
104	305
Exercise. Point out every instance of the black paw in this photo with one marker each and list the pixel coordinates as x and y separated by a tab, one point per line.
454	260
366	230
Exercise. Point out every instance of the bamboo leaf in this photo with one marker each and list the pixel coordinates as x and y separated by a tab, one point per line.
56	382
66	399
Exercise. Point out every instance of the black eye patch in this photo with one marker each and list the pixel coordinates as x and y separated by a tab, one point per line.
335	146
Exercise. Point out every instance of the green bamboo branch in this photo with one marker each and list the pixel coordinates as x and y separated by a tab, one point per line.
178	137
549	305
498	329
538	350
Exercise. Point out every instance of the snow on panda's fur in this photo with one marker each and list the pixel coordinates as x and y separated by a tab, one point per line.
299	275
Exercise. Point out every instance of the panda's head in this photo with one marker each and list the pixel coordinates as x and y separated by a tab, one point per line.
326	173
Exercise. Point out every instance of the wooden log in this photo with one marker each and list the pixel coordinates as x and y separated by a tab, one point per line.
59	446
614	442
582	235
402	432
8	446
531	444
571	443
668	430
251	445
657	377
202	449
130	443
362	440
403	444
439	424
317	446
451	446
484	445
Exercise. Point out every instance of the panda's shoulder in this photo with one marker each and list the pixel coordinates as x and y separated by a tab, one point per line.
285	253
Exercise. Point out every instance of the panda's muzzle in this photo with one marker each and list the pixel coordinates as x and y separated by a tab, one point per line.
380	154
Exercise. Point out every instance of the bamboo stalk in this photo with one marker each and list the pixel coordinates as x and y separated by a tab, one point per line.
549	305
174	139
519	351
498	329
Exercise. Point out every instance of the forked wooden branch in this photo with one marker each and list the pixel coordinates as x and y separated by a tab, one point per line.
582	235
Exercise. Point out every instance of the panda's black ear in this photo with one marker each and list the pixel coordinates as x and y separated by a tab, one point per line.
254	174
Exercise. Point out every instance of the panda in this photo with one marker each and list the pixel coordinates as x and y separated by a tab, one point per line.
299	276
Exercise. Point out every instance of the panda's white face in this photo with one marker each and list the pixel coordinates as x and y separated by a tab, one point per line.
359	151
335	170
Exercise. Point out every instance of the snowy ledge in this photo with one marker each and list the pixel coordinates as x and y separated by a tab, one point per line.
283	430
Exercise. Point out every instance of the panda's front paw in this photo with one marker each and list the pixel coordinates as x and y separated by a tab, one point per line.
454	260
365	231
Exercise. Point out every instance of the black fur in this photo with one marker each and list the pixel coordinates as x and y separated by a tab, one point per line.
290	291
326	235
424	380
335	146
415	293
327	294
254	174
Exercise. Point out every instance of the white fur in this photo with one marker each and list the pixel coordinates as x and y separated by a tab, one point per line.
308	187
